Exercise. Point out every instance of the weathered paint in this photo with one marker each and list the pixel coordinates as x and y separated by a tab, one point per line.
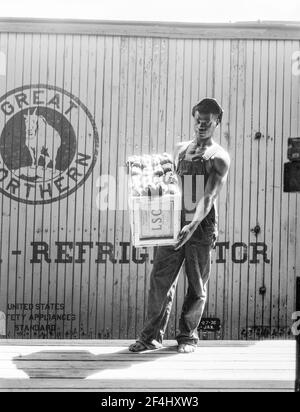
67	269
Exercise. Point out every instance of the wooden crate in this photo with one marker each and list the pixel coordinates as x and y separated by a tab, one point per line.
155	220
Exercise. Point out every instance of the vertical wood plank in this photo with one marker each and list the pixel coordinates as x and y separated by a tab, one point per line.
51	214
261	177
4	42
277	189
132	149
154	108
10	206
34	217
74	205
255	127
105	214
66	206
26	211
195	74
7	277
238	252
188	83
203	69
92	221
42	211
15	273
125	152
269	188
138	142
99	115
56	209
113	170
284	240
246	168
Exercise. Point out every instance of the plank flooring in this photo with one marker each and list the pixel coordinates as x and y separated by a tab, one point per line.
106	365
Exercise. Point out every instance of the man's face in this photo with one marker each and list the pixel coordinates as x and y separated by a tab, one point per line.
205	125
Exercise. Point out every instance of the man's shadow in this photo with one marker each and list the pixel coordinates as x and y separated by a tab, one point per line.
80	364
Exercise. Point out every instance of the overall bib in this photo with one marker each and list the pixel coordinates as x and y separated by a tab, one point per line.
195	254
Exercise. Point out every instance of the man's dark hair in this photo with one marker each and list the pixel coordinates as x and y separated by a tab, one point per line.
208	106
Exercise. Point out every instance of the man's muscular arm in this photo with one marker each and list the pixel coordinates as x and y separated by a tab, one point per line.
215	182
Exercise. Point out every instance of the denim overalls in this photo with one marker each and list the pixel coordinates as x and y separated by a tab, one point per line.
196	255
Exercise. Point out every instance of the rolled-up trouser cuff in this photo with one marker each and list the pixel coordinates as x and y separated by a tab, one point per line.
185	339
185	342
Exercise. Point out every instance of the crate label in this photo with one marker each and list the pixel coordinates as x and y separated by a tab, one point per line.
156	222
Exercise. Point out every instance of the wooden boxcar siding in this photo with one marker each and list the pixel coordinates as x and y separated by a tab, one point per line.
140	91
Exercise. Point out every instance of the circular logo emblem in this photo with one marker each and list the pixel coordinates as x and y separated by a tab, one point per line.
48	144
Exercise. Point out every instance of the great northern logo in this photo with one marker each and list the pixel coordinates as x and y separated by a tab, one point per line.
48	144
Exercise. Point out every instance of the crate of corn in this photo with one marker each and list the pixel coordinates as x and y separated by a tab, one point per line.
154	200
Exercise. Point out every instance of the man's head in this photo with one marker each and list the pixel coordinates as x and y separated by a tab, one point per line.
207	116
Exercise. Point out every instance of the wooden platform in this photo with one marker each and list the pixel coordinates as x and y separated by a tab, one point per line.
108	366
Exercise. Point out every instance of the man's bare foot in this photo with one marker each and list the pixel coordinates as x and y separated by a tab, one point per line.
186	348
139	346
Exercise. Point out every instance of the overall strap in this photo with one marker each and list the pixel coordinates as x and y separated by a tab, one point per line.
211	151
180	155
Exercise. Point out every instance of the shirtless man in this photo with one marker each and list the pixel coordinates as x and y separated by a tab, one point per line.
201	156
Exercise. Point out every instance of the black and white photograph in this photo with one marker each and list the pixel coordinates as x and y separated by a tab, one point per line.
149	198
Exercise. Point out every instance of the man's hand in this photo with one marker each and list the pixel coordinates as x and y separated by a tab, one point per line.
184	235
